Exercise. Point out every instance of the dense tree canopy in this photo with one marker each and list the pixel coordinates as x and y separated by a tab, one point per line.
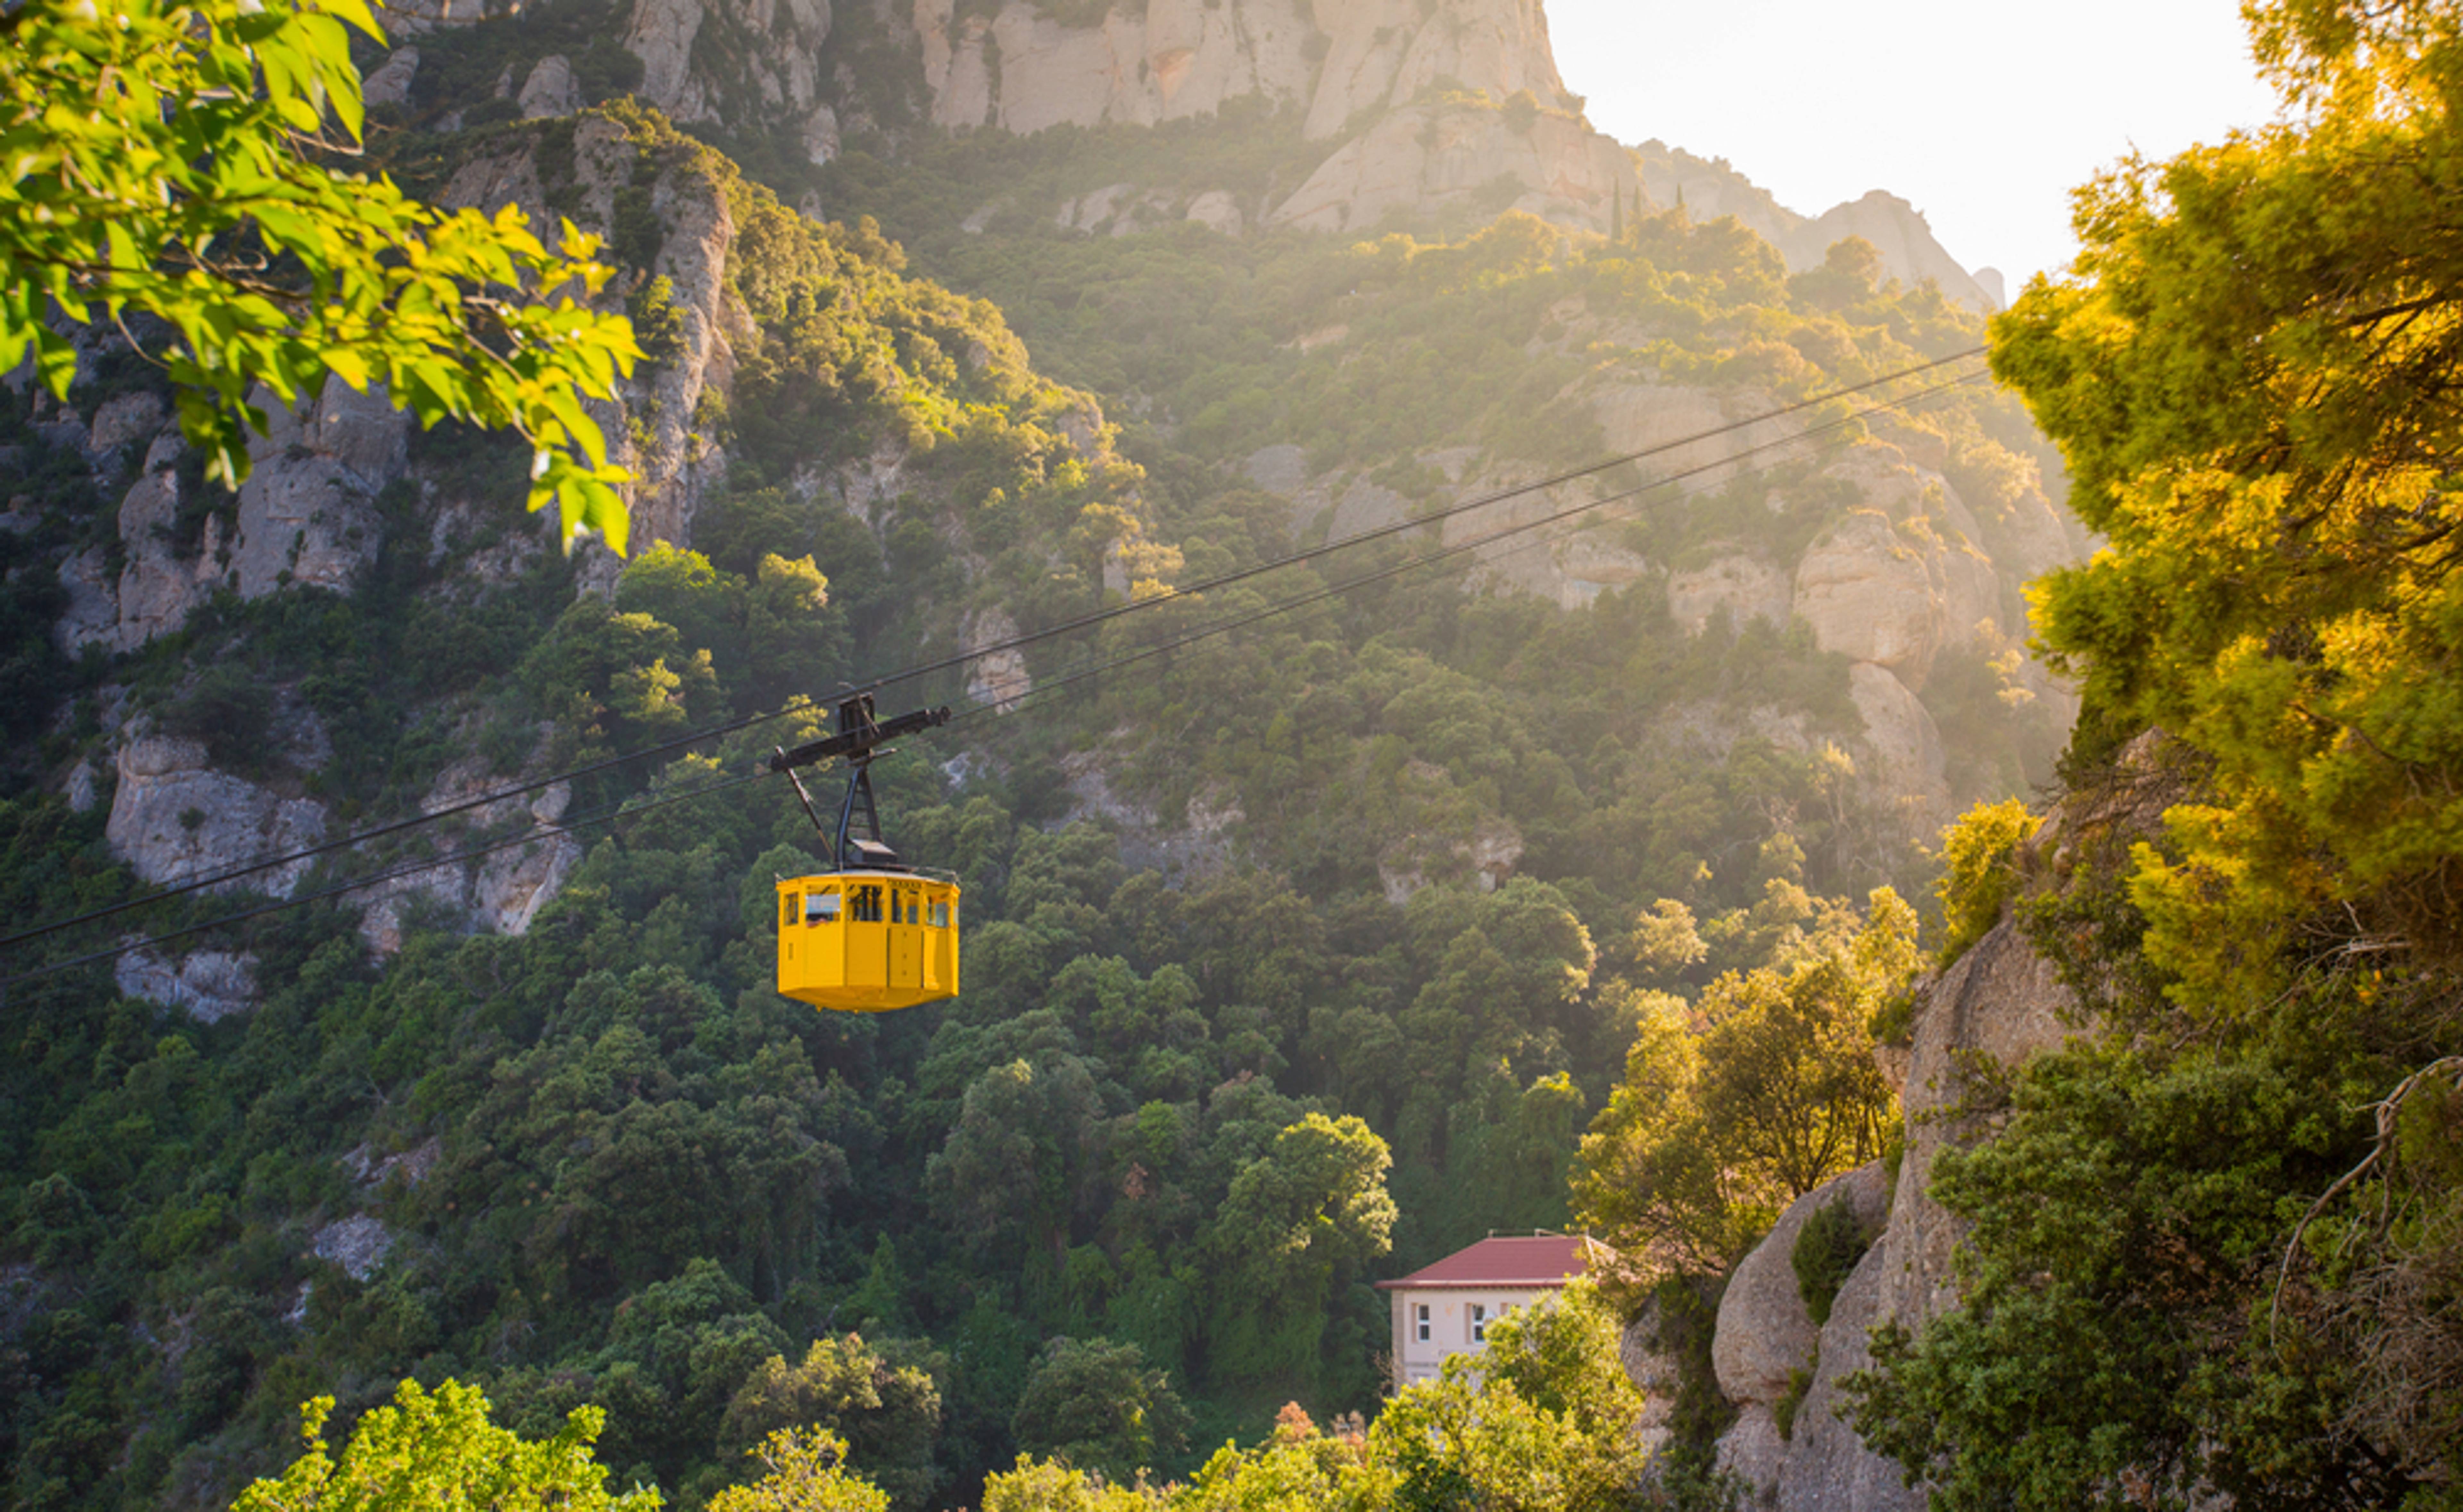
2250	372
2217	1249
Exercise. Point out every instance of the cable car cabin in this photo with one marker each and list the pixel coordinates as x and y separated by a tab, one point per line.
867	941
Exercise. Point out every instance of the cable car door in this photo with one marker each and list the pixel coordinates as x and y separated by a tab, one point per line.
906	938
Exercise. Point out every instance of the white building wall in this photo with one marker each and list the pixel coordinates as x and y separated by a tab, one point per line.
1451	1322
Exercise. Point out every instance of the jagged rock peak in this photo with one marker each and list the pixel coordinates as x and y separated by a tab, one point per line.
1028	64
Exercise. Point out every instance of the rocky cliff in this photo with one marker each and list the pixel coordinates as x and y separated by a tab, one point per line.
1408	107
1709	188
1998	1004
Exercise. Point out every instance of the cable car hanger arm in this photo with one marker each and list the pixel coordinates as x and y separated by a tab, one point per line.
858	737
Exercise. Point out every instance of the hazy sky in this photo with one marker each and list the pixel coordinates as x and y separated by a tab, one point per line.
1983	115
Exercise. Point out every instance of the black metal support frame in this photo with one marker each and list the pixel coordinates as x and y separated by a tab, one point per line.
860	741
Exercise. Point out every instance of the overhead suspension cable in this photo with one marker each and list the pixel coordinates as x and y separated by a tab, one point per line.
561	828
680	742
992	707
1460	549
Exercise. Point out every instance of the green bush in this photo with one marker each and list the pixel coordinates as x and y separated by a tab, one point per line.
1827	1248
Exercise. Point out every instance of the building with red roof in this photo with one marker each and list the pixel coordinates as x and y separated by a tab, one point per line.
1446	1308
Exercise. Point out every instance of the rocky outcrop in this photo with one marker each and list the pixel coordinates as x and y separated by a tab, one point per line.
756	61
1199	847
174	818
358	1245
676	469
1743	587
550	90
210	987
1898	231
305	516
1767	1346
1997	1006
1709	189
503	891
1906	766
389	82
1386	53
1421	158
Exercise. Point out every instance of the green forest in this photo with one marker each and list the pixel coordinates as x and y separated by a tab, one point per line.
1317	925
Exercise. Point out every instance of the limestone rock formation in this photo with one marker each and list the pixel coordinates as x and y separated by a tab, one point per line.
1766	1336
550	90
174	817
762	62
210	987
1169	61
1387	53
1709	189
388	84
1744	586
1421	158
304	516
358	1245
1905	765
1898	231
1998	1004
673	472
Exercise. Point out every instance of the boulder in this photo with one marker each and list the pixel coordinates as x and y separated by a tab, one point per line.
389	82
130	420
1657	1371
550	90
1906	762
2000	1001
1869	595
1827	1467
174	818
1998	1004
1745	586
1764	1335
209	985
1218	211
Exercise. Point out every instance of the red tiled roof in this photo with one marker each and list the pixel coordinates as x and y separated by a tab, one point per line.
1550	1260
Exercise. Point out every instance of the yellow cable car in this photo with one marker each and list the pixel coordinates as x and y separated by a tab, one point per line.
867	941
874	935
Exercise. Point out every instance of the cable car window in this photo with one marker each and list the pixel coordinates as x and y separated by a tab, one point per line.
939	914
822	908
864	905
793	911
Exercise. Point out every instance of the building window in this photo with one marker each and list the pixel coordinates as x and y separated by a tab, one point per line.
1423	1323
1479	1322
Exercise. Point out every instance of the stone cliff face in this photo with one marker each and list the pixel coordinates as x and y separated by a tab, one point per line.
1709	188
1996	1006
1418	104
1408	94
1022	69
